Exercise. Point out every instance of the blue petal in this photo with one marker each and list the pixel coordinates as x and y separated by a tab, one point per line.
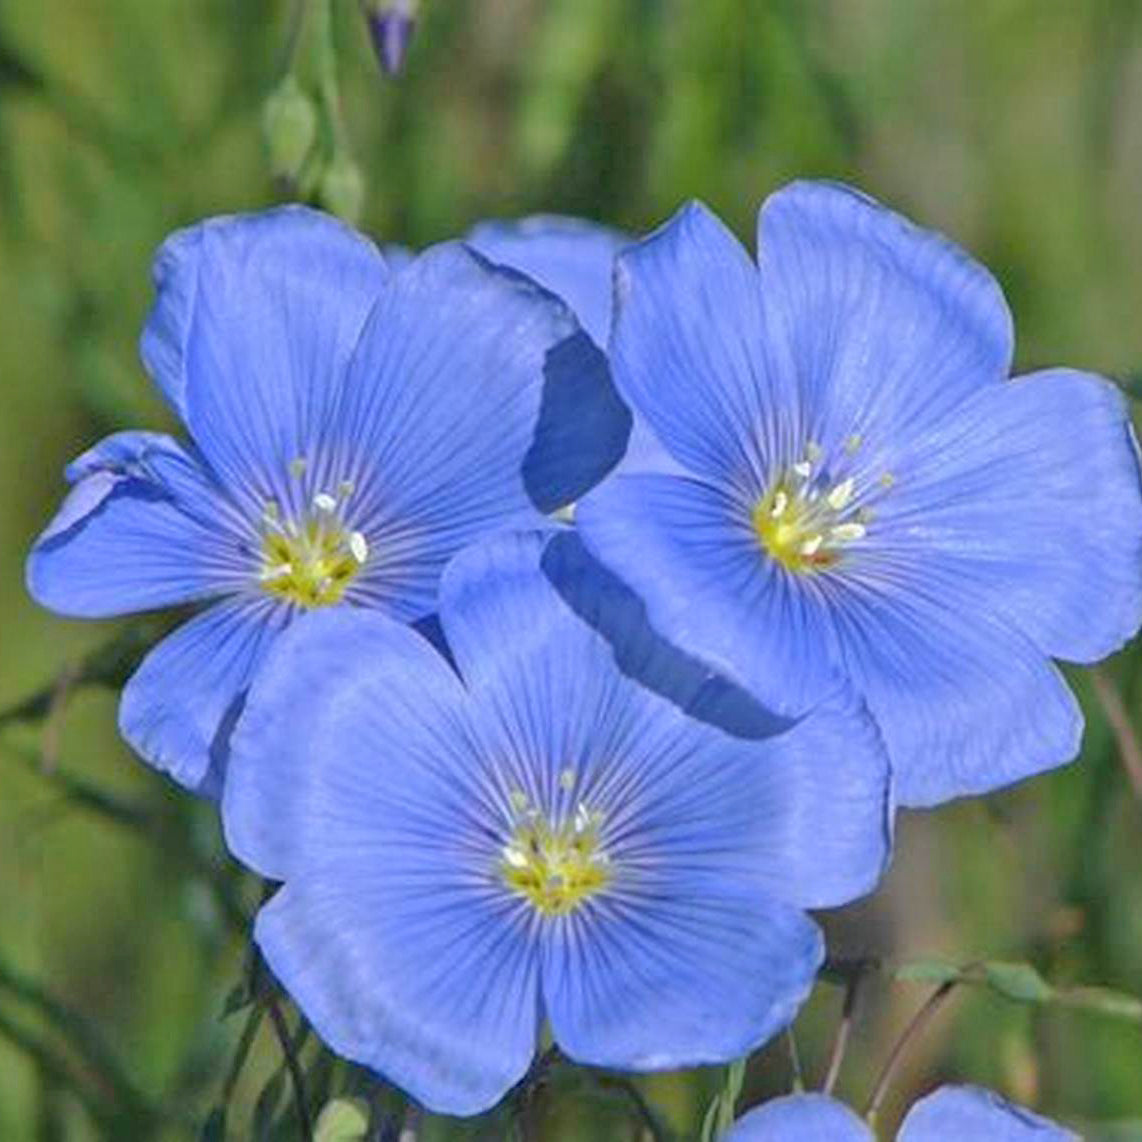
972	1114
661	980
314	690
179	707
576	261
877	327
397	256
966	704
414	973
354	777
1029	497
572	258
258	316
803	1118
583	426
144	526
442	404
827	807
686	349
606	604
688	549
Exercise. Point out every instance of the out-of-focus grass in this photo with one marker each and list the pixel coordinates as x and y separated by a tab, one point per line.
1014	125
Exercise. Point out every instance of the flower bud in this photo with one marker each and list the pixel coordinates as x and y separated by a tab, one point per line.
391	25
342	188
289	125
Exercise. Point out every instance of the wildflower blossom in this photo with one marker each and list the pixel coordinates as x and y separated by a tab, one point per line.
350	428
959	1113
862	489
536	838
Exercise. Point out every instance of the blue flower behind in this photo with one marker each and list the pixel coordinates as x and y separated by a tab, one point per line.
350	428
572	257
863	490
575	259
950	1114
534	837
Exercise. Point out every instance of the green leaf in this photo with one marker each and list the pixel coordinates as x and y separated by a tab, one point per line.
928	971
342	1120
1020	982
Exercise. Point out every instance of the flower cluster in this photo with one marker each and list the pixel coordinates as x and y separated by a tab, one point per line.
559	644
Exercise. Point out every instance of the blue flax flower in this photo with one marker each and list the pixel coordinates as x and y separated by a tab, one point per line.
350	428
534	839
950	1114
861	488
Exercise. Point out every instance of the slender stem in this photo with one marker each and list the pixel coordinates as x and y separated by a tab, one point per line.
794	1061
915	1027
294	35
1118	718
844	1029
281	1030
326	56
241	1051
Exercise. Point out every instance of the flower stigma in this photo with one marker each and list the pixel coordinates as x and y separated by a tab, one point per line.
805	520
311	560
556	867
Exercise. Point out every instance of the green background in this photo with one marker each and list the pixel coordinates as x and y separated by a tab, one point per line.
1015	126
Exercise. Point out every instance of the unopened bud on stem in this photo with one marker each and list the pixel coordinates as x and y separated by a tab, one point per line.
289	125
391	25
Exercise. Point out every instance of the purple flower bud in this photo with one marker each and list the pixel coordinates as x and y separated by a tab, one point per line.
391	25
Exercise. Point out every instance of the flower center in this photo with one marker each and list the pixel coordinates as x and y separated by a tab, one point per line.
555	867
806	520
311	560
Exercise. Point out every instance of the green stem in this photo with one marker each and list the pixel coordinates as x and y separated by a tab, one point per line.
911	1033
289	1053
844	1029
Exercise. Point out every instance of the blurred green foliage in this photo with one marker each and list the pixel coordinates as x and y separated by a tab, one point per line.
1013	125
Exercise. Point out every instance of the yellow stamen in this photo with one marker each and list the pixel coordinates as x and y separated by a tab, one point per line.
556	869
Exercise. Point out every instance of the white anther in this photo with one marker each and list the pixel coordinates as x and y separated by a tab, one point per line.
780	503
297	467
276	572
841	494
582	818
812	452
853	443
847	532
803	468
324	502
515	857
567	779
358	546
518	799
345	489
812	545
